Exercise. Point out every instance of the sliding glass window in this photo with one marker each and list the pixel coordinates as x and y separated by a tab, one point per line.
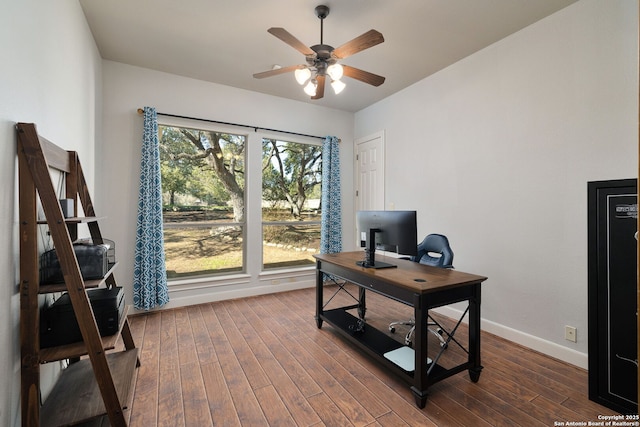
203	184
291	191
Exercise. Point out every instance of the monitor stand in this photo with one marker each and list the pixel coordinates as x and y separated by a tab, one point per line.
377	265
370	254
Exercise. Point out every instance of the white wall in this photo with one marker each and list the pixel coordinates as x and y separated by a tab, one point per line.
50	75
127	88
496	152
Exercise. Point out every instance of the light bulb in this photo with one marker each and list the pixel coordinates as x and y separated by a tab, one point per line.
310	88
302	75
335	71
337	86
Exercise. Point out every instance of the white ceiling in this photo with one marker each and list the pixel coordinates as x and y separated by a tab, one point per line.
226	41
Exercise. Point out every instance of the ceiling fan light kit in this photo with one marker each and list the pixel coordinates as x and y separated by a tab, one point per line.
338	86
311	88
302	75
335	71
322	60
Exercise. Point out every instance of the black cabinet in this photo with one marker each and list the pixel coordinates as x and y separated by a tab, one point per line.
613	313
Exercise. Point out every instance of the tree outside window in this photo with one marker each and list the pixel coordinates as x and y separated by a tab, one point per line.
291	192
203	183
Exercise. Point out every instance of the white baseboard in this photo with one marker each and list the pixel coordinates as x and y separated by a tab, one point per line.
535	343
177	300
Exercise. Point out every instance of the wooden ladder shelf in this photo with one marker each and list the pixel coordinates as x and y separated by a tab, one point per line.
91	387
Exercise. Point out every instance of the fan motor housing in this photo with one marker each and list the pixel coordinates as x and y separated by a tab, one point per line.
323	58
323	52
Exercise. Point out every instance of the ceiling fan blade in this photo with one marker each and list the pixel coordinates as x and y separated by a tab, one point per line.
363	76
289	39
277	71
360	43
320	88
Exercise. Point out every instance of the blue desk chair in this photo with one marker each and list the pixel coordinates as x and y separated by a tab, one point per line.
435	251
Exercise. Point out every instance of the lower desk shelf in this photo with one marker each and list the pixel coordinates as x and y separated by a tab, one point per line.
76	396
377	343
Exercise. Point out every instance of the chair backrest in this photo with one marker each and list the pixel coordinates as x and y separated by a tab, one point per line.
435	250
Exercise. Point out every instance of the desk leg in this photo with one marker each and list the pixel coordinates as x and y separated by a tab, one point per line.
420	339
362	302
474	335
319	295
420	397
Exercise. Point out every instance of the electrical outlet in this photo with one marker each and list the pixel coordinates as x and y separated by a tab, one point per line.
570	334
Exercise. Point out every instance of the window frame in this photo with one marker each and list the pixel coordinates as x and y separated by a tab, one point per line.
252	227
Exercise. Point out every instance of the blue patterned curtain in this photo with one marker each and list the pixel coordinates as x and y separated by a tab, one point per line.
149	273
331	228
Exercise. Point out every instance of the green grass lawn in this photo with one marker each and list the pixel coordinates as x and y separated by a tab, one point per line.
196	250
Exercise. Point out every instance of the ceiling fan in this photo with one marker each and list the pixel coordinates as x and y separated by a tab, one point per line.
322	60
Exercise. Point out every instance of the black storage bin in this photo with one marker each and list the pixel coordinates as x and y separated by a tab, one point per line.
92	259
58	324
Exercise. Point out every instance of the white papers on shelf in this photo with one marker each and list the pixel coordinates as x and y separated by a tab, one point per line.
404	357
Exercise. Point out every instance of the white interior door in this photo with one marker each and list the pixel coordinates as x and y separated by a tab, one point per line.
370	172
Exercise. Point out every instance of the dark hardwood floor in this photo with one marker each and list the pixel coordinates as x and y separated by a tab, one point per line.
261	361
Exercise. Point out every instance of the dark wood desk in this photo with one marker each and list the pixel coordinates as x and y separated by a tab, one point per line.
420	286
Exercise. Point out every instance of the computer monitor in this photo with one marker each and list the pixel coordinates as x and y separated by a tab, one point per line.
391	231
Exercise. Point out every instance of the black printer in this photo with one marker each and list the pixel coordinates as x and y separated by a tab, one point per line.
58	324
93	260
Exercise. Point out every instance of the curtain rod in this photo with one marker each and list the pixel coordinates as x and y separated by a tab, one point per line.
255	128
